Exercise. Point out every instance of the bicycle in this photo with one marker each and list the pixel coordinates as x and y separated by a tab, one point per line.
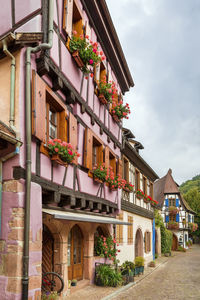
52	282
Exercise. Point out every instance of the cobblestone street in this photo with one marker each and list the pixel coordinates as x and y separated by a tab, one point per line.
178	279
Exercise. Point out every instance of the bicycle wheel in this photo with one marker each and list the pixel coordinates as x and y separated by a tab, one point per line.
52	282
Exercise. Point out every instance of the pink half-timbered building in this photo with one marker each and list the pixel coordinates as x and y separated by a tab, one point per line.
50	211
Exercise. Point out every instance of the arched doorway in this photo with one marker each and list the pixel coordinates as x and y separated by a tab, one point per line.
75	254
174	242
138	243
47	250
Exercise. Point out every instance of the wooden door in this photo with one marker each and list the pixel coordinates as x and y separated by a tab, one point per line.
47	251
75	254
174	243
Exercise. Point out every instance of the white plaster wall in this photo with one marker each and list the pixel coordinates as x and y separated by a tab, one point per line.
127	252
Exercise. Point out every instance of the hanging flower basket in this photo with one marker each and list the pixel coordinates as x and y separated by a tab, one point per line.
77	59
57	159
102	99
139	196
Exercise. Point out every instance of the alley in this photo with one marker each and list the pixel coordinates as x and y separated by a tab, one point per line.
178	279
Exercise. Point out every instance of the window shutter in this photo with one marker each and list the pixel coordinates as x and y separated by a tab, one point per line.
149	241
88	149
177	217
97	73
38	107
167	202
177	202
73	132
166	218
100	154
68	15
63	125
146	241
106	157
120	167
119	237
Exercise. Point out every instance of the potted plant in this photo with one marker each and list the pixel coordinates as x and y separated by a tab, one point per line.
49	296
74	282
113	180
173	210
106	275
173	225
106	247
61	151
85	53
119	111
139	194
126	186
99	173
139	265
127	271
105	91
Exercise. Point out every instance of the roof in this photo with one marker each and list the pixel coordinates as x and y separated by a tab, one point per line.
167	185
101	21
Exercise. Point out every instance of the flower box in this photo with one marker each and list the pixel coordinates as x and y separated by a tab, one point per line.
126	190
77	59
115	118
112	188
96	179
102	99
57	159
139	196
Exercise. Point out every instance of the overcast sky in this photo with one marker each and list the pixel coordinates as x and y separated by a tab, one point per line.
161	43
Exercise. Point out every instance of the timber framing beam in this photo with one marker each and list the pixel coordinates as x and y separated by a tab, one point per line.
135	209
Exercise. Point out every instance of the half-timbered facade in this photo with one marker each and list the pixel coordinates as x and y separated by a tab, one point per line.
57	206
177	214
138	239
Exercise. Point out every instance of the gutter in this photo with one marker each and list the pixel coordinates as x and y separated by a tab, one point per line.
29	50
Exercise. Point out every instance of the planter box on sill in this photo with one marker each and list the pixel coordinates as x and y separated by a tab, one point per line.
102	99
77	59
57	159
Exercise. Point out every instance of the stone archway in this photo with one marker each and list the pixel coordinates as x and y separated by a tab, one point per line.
174	242
139	243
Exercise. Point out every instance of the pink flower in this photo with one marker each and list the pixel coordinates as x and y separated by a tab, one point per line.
70	152
74	32
101	52
87	36
103	58
56	149
118	250
91	61
106	252
64	144
110	91
117	245
94	50
91	75
86	77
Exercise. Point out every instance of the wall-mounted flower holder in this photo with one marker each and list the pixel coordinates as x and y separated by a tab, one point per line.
77	59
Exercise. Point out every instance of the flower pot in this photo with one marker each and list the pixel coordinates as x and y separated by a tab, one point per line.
102	99
57	159
131	278
73	283
141	269
97	180
125	279
115	118
77	59
126	190
137	271
98	281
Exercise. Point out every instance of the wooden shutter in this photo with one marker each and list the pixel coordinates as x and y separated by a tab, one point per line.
120	167
38	107
130	230
63	125
119	229
73	133
97	73
149	241
107	157
100	154
146	242
68	16
88	148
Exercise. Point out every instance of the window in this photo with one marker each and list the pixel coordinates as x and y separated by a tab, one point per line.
93	150
119	230
144	182
96	152
172	202
151	190
50	118
172	218
125	169
130	230
110	159
99	72
147	241
72	19
137	179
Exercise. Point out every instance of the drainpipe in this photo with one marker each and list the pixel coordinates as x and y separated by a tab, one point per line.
12	85
29	50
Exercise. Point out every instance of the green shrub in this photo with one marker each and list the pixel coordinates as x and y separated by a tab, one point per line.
139	261
156	256
166	239
180	248
108	276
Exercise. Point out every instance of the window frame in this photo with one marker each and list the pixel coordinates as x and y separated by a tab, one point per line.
130	231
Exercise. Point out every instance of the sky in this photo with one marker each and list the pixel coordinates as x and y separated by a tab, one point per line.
161	43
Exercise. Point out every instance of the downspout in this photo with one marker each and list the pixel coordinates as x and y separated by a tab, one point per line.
29	50
12	85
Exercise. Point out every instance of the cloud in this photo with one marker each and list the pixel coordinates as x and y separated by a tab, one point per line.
161	45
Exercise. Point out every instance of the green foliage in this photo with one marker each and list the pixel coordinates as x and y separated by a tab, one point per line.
49	296
128	265
180	248
139	261
194	183
166	239
191	193
100	171
106	247
158	218
108	276
106	89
